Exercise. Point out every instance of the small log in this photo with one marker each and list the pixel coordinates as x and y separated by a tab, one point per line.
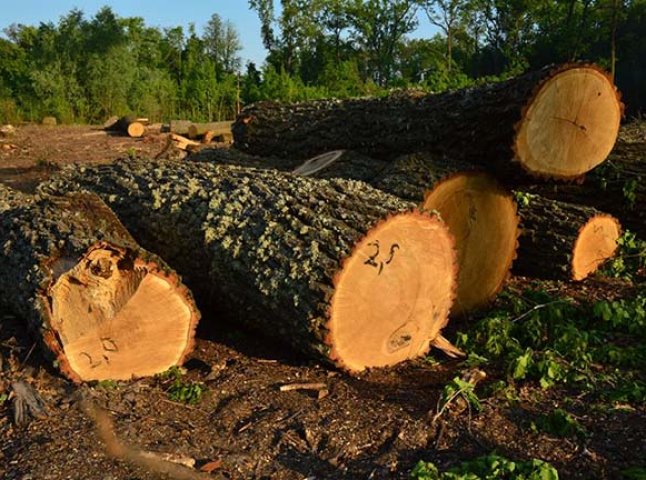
617	187
557	122
561	240
196	130
339	270
49	122
102	307
130	126
180	127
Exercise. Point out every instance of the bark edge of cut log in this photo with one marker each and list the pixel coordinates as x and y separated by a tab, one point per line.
599	103
410	325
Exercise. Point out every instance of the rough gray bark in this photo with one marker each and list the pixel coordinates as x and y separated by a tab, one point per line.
477	124
41	233
266	245
549	230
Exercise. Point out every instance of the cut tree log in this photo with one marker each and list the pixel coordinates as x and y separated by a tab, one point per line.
557	122
617	187
196	130
339	270
131	126
180	127
480	214
49	121
101	306
561	240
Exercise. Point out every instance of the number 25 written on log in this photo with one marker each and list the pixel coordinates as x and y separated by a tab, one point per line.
372	259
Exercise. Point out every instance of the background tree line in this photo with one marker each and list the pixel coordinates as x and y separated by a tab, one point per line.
82	70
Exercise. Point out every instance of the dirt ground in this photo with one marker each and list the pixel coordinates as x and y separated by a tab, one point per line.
373	426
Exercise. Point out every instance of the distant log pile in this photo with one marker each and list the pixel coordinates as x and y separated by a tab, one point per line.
558	122
102	307
339	270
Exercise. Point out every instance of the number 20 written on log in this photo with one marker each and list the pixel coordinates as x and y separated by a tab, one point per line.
373	259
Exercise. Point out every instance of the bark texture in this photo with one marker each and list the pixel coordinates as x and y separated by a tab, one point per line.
617	187
478	125
265	244
42	236
549	233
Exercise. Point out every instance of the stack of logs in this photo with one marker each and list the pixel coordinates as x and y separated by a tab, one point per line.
413	207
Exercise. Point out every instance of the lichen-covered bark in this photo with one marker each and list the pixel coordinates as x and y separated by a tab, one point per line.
477	124
549	230
617	187
37	233
266	245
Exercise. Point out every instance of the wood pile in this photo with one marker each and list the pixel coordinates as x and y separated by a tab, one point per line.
348	230
131	126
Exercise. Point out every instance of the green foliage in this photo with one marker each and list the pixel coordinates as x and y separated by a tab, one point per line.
490	467
635	473
557	341
460	388
630	261
107	385
559	423
4	397
181	390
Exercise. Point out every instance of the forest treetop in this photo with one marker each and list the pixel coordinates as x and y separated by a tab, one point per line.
84	69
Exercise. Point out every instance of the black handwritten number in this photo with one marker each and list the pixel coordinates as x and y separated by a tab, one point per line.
372	259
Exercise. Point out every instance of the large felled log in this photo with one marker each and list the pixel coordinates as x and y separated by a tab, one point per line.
480	214
617	187
556	122
101	306
179	127
326	266
561	240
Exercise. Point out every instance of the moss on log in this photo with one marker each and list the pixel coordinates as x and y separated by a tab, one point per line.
556	122
101	306
329	267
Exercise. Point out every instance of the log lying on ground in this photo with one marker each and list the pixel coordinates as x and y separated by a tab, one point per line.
196	130
326	266
617	187
480	214
557	122
131	126
179	127
101	306
561	240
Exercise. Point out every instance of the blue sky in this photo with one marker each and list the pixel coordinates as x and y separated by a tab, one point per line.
161	13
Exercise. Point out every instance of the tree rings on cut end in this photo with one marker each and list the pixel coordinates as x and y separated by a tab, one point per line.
136	130
117	316
570	125
596	243
482	218
394	292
